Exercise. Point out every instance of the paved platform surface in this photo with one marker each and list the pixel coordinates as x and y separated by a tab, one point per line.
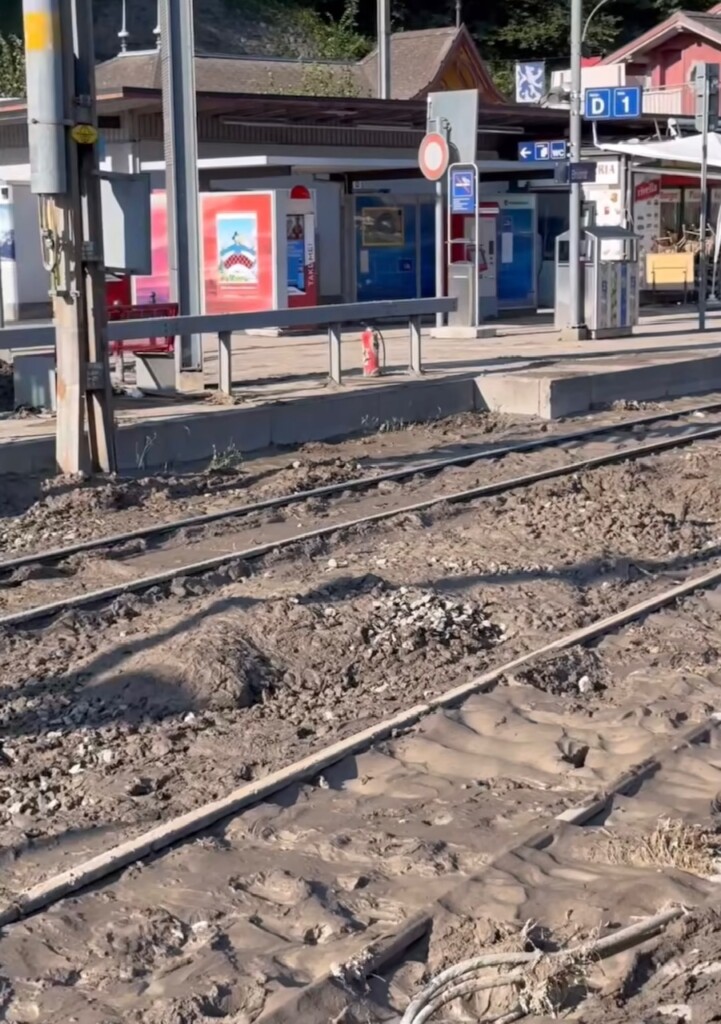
282	369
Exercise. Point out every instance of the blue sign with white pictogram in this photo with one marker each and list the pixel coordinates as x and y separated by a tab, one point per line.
463	190
613	104
530	81
542	152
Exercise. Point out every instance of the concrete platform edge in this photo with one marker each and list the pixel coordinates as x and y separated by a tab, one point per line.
171	442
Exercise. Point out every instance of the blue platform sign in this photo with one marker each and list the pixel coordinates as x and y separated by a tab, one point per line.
463	190
613	104
542	152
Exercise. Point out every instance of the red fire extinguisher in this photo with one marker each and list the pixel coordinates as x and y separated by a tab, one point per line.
372	343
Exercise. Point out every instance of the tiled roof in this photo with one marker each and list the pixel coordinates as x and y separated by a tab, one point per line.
416	58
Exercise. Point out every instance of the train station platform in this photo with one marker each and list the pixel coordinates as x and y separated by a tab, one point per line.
282	395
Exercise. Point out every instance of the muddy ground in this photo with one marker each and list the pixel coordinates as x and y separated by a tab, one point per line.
114	719
235	924
37	513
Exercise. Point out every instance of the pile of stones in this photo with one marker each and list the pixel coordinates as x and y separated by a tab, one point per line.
407	620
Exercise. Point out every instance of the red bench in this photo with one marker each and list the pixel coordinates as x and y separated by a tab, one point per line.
142	312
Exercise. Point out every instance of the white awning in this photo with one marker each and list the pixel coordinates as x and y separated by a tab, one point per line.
684	150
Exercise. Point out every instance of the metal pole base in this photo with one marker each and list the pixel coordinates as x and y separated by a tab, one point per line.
575	334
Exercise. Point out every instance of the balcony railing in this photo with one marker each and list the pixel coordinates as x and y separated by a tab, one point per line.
668	100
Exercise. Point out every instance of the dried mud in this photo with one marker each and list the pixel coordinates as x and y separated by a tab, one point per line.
114	719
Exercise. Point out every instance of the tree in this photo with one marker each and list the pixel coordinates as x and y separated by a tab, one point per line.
12	67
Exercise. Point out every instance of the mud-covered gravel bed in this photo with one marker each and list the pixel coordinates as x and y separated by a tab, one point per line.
39	513
117	718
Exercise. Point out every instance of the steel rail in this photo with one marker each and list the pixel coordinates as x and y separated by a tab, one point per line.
94	597
54	555
178	829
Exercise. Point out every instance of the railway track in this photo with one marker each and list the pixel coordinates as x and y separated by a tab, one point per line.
235	531
484	802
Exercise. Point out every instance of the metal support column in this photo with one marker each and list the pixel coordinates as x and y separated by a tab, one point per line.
334	343
416	362
702	259
177	51
575	275
440	250
384	49
225	363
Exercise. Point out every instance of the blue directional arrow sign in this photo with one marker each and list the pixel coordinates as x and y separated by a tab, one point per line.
542	152
613	104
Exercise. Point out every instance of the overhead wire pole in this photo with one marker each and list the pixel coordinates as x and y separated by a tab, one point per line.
99	393
63	174
177	55
384	49
576	303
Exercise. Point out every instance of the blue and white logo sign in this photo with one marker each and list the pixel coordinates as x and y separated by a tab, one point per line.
542	152
613	104
530	82
463	190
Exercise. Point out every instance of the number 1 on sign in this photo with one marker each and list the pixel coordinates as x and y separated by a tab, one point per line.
625	101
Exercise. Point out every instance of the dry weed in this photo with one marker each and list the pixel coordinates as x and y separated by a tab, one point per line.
672	844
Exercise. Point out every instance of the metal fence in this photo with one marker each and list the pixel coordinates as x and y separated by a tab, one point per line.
224	325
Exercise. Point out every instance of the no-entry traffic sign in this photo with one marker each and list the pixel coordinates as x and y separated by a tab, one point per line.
433	156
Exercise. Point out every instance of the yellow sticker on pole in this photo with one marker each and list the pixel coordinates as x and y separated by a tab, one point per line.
84	134
40	31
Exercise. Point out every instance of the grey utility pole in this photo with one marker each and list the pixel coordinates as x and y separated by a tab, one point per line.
384	49
575	275
177	54
62	134
707	120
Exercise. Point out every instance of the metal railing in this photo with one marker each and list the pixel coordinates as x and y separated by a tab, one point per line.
225	324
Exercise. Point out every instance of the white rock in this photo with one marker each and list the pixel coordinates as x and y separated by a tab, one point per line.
332	563
585	685
107	756
76	769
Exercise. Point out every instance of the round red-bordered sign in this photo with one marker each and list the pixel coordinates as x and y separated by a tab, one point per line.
433	156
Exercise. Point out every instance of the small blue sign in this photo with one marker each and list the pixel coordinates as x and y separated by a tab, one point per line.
542	152
463	190
613	104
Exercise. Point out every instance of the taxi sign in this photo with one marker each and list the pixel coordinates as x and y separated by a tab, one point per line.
84	134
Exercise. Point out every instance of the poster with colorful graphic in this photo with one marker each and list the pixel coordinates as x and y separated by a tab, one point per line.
239	251
237	241
295	239
155	287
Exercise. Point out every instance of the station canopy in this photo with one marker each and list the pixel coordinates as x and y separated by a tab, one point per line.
683	151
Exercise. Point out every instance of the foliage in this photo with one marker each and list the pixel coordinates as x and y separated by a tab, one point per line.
12	67
324	80
327	39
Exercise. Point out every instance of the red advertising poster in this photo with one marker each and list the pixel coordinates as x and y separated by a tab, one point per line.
238	252
155	287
